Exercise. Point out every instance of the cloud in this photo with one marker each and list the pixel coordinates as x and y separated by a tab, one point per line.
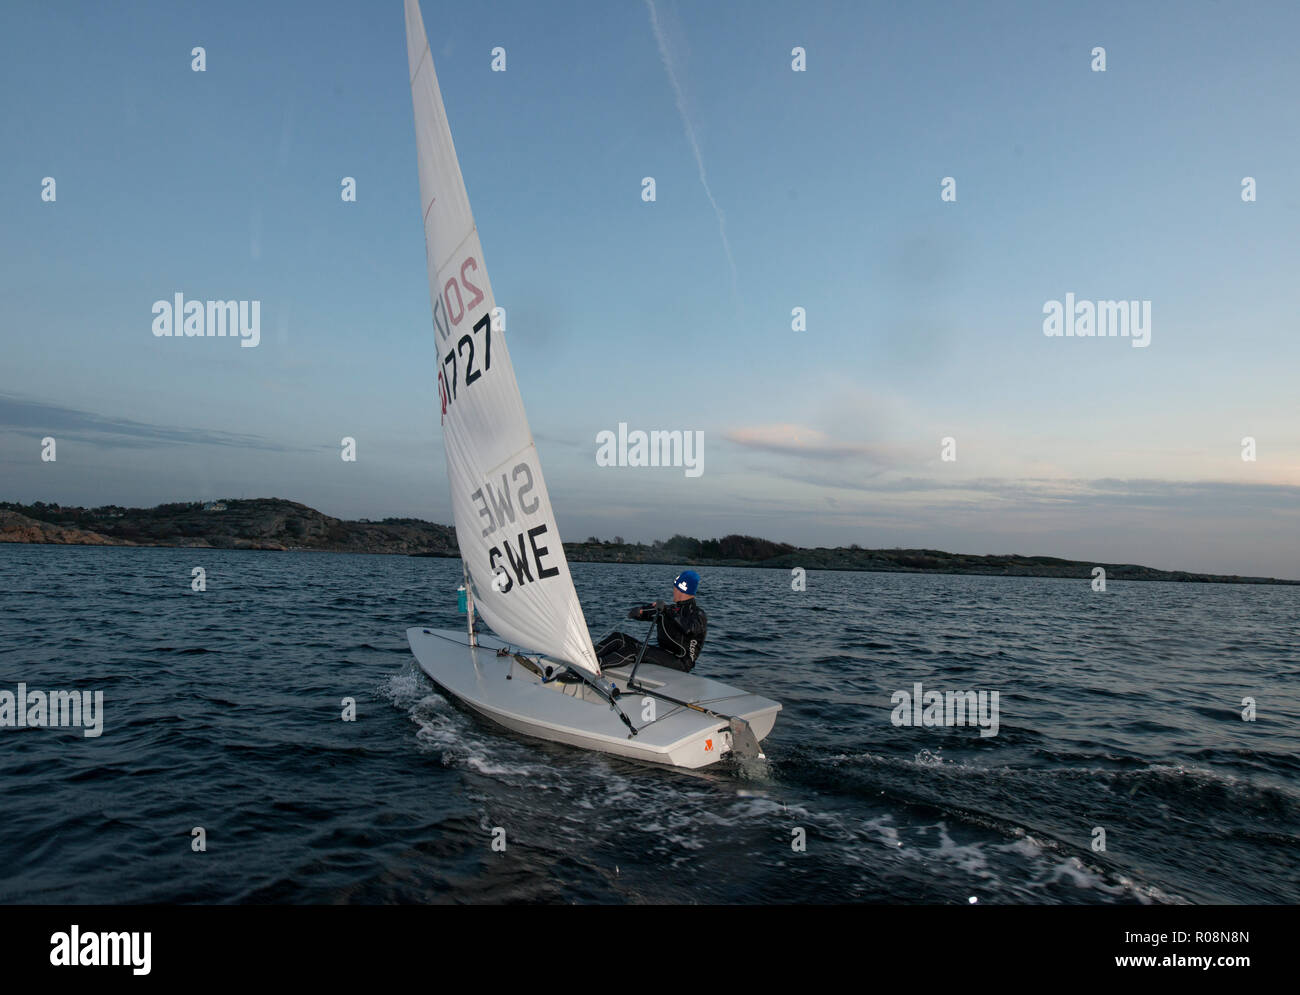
17	414
1217	497
569	442
799	440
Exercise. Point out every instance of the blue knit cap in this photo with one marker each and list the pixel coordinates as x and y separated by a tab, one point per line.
688	582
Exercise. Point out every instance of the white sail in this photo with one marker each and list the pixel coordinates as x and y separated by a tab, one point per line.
505	527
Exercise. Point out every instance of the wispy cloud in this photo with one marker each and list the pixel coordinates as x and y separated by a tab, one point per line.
680	96
18	414
1215	497
799	440
568	442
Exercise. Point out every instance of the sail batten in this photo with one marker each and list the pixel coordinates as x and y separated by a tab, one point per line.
514	559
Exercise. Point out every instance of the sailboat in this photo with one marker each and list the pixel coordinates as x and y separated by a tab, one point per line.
537	674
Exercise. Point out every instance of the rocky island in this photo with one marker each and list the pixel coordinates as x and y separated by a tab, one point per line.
277	524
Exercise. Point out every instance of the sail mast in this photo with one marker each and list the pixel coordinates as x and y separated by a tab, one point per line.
469	605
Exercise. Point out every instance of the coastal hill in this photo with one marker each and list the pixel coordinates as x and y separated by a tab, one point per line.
276	524
261	523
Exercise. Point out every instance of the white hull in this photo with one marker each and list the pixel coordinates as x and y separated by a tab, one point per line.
512	695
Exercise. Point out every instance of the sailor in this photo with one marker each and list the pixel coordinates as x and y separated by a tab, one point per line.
681	627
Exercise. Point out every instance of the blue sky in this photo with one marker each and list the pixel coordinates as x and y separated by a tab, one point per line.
924	317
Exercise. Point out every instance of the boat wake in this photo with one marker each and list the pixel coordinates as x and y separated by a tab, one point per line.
851	827
457	738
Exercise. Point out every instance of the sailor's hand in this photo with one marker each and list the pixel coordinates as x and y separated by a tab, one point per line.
635	614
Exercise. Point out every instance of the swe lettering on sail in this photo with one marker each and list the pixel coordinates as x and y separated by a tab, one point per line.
519	561
501	509
496	506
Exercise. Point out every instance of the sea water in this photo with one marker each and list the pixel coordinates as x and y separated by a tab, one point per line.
1145	749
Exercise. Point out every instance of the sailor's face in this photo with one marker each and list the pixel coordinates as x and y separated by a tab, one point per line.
680	595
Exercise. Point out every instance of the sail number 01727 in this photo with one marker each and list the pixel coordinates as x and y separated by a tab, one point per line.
449	310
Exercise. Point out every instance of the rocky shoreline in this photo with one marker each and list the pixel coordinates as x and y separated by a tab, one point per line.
278	525
262	523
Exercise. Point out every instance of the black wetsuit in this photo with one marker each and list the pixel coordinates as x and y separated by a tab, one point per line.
682	626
